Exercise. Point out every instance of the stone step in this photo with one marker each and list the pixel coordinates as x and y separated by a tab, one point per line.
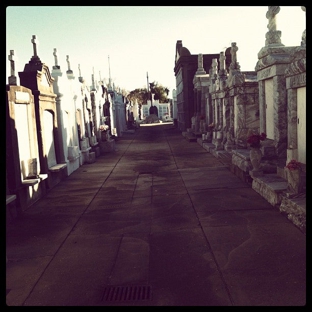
271	187
190	137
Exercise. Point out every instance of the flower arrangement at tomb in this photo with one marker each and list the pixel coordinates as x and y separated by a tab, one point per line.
293	165
254	140
211	126
104	133
103	127
296	180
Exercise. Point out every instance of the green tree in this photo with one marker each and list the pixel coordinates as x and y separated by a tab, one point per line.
139	95
142	95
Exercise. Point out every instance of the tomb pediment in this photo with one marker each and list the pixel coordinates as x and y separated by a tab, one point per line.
44	79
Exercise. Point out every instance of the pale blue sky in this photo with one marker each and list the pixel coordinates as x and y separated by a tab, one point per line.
141	39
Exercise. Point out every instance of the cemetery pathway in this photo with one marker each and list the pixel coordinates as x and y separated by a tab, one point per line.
158	222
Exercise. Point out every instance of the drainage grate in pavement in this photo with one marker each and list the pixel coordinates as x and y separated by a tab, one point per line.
127	293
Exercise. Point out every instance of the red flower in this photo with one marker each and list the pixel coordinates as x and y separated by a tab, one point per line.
254	139
293	165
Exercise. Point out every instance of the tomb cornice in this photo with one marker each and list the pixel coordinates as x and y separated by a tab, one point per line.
298	64
296	81
273	50
274	59
236	78
219	94
43	96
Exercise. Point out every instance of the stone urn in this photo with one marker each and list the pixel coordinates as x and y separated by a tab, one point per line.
255	158
295	181
103	136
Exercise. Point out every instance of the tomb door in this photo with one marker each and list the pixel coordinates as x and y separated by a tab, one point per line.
68	128
269	109
80	127
22	121
49	138
301	130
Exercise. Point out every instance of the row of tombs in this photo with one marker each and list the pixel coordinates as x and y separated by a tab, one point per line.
256	121
55	124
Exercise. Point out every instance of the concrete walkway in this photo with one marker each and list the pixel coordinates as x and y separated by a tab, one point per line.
159	222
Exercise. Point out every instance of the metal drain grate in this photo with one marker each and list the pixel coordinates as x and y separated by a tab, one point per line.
127	293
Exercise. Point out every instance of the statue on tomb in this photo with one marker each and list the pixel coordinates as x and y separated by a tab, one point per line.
271	16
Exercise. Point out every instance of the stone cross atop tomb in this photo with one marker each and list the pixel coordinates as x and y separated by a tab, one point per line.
101	82
35	63
221	81
69	72
68	63
55	56
56	69
80	77
35	43
200	69
56	66
214	68
234	63
92	79
235	77
222	71
273	36
12	78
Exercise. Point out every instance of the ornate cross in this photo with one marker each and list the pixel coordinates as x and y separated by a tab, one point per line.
271	16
